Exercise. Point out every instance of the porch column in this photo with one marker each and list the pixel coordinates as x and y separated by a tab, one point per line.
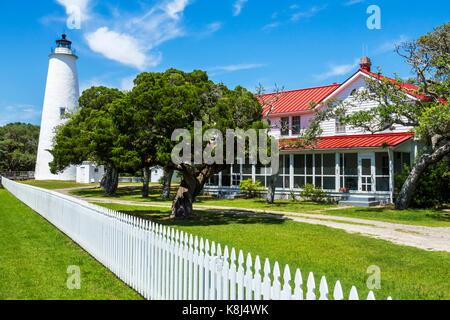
291	171
338	172
220	179
391	175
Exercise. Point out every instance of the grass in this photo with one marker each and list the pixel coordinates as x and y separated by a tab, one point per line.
425	217
406	272
57	184
34	257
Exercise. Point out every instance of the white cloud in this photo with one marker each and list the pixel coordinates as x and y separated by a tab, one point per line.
20	113
271	26
213	27
81	5
237	67
390	45
175	7
118	46
352	2
131	39
338	70
307	14
237	7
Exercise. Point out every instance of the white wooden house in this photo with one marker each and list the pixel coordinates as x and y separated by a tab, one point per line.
345	158
89	172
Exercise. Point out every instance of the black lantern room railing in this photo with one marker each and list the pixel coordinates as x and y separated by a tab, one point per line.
64	43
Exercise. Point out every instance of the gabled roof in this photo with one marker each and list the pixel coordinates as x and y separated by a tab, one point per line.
353	141
408	88
299	100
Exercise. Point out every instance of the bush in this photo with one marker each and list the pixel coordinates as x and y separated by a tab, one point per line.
250	188
433	187
312	193
293	195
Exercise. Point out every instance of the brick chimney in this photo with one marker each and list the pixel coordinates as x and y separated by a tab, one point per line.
365	64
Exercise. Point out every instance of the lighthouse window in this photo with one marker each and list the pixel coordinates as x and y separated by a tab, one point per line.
62	112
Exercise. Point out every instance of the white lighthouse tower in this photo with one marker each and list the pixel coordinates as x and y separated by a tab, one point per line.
61	96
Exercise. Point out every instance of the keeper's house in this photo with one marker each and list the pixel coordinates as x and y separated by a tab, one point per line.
351	165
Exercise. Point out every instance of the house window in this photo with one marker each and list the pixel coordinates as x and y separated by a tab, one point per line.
285	126
382	171
349	170
283	180
296	125
62	112
340	127
318	169
400	160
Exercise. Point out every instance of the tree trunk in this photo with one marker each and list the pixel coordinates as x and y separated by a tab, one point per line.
168	174
191	186
187	192
404	197
145	181
110	180
270	199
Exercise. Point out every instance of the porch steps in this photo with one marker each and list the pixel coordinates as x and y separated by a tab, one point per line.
360	201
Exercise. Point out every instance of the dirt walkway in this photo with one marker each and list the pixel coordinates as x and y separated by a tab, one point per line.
427	238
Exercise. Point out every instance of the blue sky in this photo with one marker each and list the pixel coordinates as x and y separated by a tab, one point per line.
294	44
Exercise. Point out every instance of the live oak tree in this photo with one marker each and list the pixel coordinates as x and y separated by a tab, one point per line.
137	136
176	100
91	135
426	109
18	147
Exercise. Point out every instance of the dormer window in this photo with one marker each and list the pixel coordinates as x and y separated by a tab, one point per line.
340	127
284	126
296	125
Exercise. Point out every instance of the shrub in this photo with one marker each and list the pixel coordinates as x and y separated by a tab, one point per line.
292	195
312	193
433	187
250	188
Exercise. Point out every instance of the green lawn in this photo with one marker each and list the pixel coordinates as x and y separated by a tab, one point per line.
406	272
426	217
34	257
57	184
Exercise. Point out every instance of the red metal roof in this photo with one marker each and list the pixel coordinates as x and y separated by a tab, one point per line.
408	88
299	100
353	141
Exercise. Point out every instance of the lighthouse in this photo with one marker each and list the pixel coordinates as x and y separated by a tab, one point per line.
61	96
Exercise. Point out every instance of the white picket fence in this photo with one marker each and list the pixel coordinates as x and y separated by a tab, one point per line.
160	262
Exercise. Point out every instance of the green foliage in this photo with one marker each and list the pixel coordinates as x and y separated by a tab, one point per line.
433	187
160	103
90	133
250	188
312	193
293	195
18	147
